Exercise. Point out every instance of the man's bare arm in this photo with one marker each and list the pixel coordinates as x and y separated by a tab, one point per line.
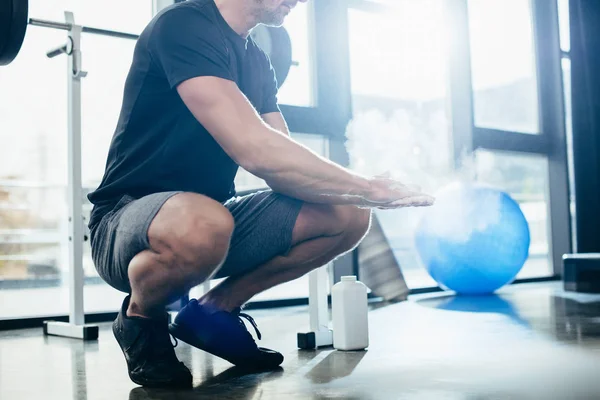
276	121
287	167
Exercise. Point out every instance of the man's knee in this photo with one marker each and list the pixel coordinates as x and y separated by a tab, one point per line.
203	240
317	220
193	231
354	223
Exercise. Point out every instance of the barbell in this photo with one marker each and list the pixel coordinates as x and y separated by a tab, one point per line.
14	19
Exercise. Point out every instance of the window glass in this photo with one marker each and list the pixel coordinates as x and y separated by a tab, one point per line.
33	159
401	124
503	65
33	176
525	179
566	69
400	55
564	25
298	89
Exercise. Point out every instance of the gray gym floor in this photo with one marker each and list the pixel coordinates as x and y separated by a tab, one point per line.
531	342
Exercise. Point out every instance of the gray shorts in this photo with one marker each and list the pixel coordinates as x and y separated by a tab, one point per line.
264	222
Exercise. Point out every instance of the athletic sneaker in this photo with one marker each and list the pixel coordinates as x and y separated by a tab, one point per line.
148	350
224	335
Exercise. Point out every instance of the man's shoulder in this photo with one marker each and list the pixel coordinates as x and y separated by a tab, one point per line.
260	53
189	5
187	11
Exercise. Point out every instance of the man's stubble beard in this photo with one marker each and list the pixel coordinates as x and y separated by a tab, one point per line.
269	17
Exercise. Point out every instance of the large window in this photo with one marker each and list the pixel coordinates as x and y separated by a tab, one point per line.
400	55
401	124
564	25
407	96
503	63
33	152
513	96
298	89
402	78
525	179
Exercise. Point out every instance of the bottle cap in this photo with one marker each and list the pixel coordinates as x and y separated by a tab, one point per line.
349	278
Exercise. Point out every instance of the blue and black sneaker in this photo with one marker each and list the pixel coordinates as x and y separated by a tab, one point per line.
224	335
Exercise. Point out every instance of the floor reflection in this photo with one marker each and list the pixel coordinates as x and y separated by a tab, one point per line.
233	383
575	320
476	304
566	316
338	364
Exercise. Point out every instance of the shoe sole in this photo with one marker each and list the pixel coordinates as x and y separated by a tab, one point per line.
185	335
145	383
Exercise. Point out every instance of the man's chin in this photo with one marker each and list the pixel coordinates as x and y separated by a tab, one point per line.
275	21
273	24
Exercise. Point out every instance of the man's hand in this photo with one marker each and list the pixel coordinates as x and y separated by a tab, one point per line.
386	193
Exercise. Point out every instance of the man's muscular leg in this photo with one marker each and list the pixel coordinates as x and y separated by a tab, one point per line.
189	239
317	234
164	252
321	234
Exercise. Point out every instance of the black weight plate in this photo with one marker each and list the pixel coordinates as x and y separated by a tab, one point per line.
6	7
281	53
13	25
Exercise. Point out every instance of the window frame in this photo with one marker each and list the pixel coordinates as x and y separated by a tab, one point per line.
551	140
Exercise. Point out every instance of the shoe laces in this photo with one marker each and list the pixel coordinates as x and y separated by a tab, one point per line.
162	350
241	315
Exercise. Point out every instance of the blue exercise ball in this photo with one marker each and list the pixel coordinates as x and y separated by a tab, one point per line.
474	240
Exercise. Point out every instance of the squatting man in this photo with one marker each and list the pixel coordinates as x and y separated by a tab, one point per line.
200	100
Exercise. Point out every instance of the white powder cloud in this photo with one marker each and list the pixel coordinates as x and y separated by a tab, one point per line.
416	147
460	211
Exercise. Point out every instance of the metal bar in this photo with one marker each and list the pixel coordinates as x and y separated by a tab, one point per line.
317	303
461	92
85	29
106	32
57	51
312	45
31	184
495	139
49	24
553	126
36	322
75	193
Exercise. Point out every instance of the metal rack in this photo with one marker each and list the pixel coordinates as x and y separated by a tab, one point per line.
76	327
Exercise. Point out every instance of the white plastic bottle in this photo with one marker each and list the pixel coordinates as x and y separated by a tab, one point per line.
350	314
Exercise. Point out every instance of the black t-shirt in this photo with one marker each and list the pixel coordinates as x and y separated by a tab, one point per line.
158	145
